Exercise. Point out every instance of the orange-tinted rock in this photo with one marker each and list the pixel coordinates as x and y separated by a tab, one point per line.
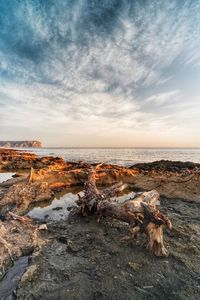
14	159
171	179
21	195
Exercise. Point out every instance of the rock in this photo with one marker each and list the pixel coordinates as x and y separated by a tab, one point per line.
19	242
134	266
171	179
2	218
43	227
20	144
20	196
28	275
57	208
11	159
167	165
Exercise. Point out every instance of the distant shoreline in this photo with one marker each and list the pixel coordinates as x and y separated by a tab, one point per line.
67	147
21	144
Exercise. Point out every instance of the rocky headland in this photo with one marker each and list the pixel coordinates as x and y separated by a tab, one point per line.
20	144
82	259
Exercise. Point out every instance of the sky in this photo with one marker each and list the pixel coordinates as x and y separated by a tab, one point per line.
109	73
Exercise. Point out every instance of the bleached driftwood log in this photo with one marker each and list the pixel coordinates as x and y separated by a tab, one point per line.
141	212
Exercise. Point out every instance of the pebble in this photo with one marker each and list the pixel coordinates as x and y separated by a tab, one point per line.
43	227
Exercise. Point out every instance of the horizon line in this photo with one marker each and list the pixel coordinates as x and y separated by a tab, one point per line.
115	147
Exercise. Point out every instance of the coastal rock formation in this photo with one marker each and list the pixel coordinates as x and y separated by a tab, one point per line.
18	236
82	259
20	144
21	195
171	179
168	166
13	160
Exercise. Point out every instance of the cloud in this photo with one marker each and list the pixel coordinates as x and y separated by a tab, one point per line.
107	67
163	98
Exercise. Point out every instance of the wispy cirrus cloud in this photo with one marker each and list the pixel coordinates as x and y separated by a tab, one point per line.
161	99
99	67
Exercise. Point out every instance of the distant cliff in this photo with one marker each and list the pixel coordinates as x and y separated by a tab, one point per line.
20	144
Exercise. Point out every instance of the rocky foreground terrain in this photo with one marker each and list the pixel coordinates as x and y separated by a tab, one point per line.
82	259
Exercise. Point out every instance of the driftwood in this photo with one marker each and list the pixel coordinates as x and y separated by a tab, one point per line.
141	213
24	220
93	198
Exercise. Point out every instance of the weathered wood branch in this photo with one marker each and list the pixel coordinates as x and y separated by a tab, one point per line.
141	213
21	219
93	197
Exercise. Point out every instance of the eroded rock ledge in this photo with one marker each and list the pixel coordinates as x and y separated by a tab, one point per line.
51	174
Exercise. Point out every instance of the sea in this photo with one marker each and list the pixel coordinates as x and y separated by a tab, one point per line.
121	156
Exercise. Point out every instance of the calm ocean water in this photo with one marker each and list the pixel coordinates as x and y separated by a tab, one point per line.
121	156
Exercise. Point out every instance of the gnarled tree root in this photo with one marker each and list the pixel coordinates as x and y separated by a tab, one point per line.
141	213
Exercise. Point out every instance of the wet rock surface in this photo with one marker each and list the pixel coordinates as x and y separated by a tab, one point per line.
86	260
12	278
168	166
17	239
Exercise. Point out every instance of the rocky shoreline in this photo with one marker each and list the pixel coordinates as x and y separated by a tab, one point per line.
170	178
80	259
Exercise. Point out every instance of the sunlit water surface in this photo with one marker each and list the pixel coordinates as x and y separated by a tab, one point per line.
5	176
61	206
121	156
